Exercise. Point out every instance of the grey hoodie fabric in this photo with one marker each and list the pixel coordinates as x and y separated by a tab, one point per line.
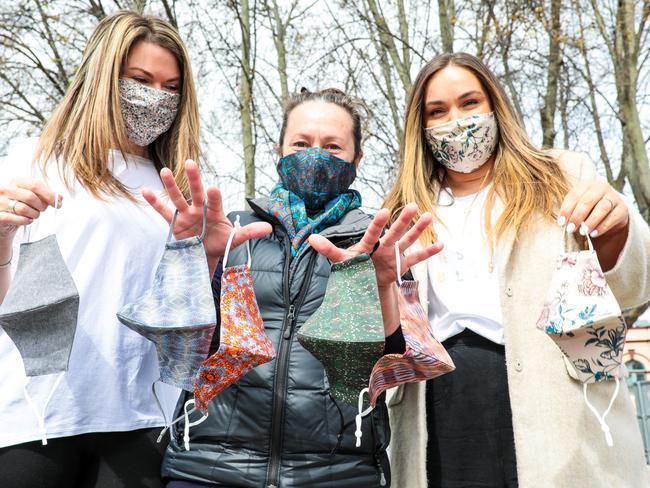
278	426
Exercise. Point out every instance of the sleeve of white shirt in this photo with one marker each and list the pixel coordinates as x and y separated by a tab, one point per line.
18	163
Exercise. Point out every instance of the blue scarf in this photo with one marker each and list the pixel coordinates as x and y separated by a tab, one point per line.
290	210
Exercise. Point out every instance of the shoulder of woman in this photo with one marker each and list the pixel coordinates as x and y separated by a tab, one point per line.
576	165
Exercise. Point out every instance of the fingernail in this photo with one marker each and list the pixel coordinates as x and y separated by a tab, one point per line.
571	227
583	230
594	233
561	220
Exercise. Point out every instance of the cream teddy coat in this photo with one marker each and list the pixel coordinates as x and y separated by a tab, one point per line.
558	441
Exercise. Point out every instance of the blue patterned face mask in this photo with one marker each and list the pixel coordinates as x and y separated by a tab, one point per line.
177	313
316	176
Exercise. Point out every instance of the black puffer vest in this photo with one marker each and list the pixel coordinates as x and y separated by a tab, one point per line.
278	426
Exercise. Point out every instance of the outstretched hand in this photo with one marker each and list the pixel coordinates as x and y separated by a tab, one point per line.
384	256
189	221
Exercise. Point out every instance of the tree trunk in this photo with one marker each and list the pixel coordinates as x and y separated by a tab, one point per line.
552	75
246	100
446	18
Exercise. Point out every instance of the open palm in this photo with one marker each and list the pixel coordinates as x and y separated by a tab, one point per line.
189	221
383	257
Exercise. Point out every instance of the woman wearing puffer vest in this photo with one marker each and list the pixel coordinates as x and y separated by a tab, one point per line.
279	426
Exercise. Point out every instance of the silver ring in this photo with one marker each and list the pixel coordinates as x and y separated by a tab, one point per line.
611	203
12	206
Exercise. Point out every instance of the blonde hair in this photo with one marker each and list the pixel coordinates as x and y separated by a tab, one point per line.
528	180
88	122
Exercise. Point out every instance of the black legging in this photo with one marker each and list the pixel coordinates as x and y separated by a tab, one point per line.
102	460
469	419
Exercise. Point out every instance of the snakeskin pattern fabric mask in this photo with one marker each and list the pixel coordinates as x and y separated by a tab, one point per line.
424	358
243	343
346	333
177	313
147	112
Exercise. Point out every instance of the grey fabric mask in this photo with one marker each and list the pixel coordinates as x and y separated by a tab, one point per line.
147	112
177	313
39	313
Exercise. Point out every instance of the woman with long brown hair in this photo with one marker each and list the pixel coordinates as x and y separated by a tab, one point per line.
510	414
130	112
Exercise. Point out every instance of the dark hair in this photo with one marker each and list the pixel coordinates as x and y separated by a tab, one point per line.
328	95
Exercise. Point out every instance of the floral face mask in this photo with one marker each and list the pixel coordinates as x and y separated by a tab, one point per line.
244	343
346	333
464	145
147	112
584	319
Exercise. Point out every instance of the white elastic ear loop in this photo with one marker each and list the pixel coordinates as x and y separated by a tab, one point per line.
176	420
40	416
601	419
234	230
160	407
398	261
186	433
362	413
585	229
56	204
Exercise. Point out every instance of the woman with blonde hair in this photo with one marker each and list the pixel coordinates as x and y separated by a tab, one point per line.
129	113
510	414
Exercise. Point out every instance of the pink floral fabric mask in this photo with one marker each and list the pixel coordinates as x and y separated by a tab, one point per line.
581	315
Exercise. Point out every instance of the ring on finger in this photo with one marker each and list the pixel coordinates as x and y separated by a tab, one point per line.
611	203
12	206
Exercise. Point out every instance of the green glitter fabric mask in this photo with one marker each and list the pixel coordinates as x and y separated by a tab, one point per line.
346	333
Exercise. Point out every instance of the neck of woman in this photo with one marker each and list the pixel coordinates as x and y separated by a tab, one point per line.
142	151
463	184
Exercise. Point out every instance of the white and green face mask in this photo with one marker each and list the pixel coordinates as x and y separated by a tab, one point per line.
464	145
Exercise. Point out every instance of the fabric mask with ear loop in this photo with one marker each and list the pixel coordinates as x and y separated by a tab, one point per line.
243	341
424	358
177	313
464	145
39	314
346	333
582	316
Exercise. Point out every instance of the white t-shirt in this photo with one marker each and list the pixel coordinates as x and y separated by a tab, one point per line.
111	248
463	286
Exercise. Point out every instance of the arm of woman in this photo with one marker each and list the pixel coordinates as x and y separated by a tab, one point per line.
619	234
21	202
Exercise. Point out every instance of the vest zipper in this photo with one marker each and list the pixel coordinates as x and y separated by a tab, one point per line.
282	367
291	315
